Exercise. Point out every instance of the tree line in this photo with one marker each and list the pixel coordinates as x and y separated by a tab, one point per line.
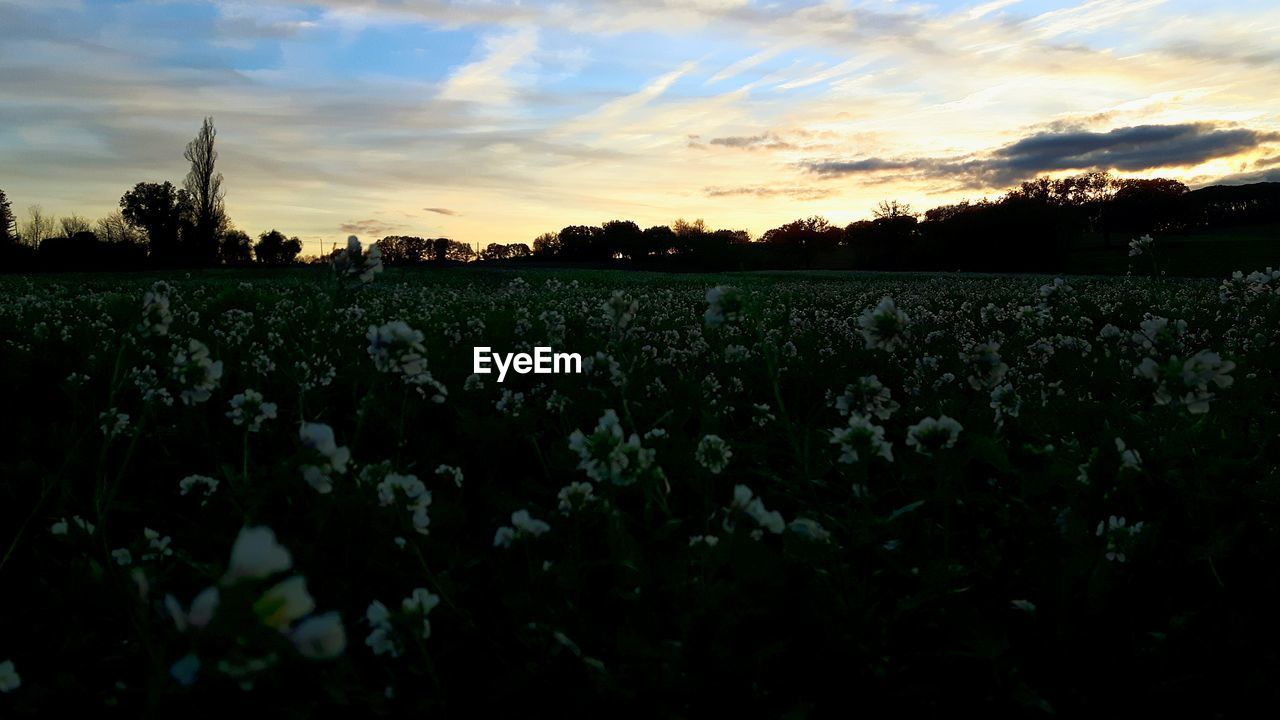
1034	226
157	224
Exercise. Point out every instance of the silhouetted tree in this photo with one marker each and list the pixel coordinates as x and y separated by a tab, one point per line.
160	210
495	251
115	229
439	249
621	238
38	227
234	247
518	250
274	248
1148	206
579	242
813	233
546	245
74	224
8	223
459	251
659	240
204	185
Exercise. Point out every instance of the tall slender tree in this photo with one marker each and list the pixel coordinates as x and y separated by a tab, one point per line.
204	185
8	224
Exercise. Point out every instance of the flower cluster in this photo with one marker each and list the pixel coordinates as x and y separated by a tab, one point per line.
198	374
933	434
417	498
884	327
248	407
745	504
859	438
319	437
522	525
724	305
606	456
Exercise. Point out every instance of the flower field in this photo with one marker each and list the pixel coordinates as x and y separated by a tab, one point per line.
782	495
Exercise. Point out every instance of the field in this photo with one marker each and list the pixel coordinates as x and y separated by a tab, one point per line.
773	494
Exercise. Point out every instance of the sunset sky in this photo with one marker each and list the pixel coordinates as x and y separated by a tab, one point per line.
497	120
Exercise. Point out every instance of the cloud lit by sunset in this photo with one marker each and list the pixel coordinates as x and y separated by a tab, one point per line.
494	120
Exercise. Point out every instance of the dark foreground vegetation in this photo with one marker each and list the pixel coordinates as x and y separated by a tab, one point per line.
806	496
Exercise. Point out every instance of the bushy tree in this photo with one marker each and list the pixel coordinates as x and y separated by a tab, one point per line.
495	251
160	210
273	248
546	245
234	247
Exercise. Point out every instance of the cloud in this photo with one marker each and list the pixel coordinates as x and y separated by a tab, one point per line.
1129	149
488	80
744	65
764	141
372	228
795	193
441	211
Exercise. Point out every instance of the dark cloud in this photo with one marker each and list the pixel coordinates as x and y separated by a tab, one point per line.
1143	147
441	211
796	193
373	228
765	141
1133	148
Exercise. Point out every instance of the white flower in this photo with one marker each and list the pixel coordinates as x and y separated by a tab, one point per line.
449	471
256	554
421	601
987	370
62	526
861	436
884	327
575	496
185	670
504	536
9	678
202	609
606	457
381	638
319	437
1120	536
207	484
284	603
1141	245
810	529
248	406
930	434
198	374
320	637
868	396
713	453
753	507
724	304
708	540
158	545
522	525
122	556
1129	459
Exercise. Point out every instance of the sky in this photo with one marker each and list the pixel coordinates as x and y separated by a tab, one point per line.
498	120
